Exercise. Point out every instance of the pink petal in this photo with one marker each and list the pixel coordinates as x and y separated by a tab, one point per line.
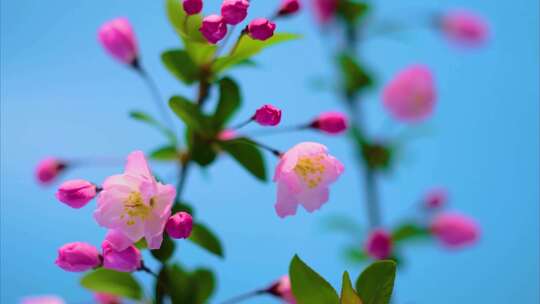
136	165
313	199
286	202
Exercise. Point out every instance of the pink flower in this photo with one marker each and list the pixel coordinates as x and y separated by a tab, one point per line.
227	134
76	193
379	244
106	298
126	260
118	39
288	7
455	230
213	28
410	96
261	29
303	176
179	225
48	169
282	289
268	115
45	299
325	10
134	203
464	28
436	198
330	122
192	7
234	11
78	257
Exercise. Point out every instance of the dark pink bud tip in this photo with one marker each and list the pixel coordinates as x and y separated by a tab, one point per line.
179	225
261	29
289	7
268	115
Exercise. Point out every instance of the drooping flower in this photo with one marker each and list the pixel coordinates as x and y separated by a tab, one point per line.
288	7
179	225
455	230
213	28
379	244
118	38
303	176
268	115
282	289
410	96
325	10
119	254
48	169
107	298
44	299
76	193
192	7
78	257
261	29
435	198
234	11
134	203
330	122
464	28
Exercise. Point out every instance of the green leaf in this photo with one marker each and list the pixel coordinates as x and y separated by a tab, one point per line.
189	287
377	156
166	251
190	114
355	78
229	101
141	244
355	255
308	286
247	48
202	150
206	284
146	118
376	283
109	281
348	294
206	239
407	231
180	64
352	11
247	155
166	153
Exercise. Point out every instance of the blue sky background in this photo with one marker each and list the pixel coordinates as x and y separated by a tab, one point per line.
61	95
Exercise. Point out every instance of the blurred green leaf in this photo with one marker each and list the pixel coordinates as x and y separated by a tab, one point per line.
189	287
376	283
229	101
355	78
190	114
377	156
206	284
408	231
247	155
247	48
141	244
355	255
182	206
180	64
109	281
166	153
146	118
206	239
352	11
166	251
201	149
342	223
348	294
308	286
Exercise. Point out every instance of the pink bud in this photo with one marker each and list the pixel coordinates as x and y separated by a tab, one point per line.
77	257
288	7
282	289
127	260
379	244
118	39
464	28
213	28
436	198
106	298
76	193
227	134
192	7
268	115
330	122
455	230
325	10
234	11
179	225
261	29
48	169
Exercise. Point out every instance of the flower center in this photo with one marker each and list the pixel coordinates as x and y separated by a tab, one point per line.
310	169
134	207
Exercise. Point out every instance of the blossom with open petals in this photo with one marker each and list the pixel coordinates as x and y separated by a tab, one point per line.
303	176
134	203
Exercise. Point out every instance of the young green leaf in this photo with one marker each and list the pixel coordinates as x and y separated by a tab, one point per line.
146	118
376	283
407	231
166	153
352	11
348	294
229	101
190	114
180	64
109	281
308	286
354	77
247	155
206	239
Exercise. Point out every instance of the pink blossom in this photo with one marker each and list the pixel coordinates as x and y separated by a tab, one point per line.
213	28
106	298
267	115
227	134
325	10
282	289
261	29
179	225
303	176
411	95
464	28
288	7
45	299
455	230
379	244
330	122
436	198
48	169
234	11
76	193
192	7
126	260
134	203
78	257
118	39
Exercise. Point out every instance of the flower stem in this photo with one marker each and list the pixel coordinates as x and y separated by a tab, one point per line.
245	296
243	124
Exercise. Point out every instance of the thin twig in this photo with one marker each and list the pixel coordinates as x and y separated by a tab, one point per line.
245	296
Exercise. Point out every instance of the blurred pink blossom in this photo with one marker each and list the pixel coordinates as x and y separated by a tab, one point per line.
330	122
261	29
118	39
78	257
268	115
106	298
227	134
282	289
48	169
76	193
213	28
464	28
436	198
455	230
44	299
379	244
325	10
